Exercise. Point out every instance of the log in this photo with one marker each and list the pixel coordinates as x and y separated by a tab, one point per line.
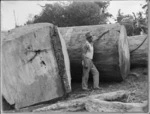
96	103
120	95
35	65
79	103
139	57
111	52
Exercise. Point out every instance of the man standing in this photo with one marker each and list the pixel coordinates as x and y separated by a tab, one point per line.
87	56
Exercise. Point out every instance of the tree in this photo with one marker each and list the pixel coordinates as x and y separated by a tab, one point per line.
51	14
103	11
143	22
145	6
73	14
127	21
83	13
135	24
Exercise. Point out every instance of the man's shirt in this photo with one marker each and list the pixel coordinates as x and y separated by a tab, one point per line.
88	50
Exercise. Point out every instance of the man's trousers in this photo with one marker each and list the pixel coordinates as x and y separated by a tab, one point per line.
90	67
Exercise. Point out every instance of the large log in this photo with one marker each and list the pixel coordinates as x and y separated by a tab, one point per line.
35	65
111	52
138	46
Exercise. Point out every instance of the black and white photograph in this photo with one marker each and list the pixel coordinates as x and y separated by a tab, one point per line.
75	56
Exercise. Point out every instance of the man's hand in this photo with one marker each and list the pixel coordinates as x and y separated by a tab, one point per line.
84	62
85	65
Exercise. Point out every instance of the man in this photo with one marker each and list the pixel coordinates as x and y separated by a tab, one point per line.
87	56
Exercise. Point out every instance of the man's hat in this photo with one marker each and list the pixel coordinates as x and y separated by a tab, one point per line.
88	35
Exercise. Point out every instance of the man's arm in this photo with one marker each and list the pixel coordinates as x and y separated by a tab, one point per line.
85	49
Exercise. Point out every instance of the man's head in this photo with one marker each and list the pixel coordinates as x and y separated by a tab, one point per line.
89	37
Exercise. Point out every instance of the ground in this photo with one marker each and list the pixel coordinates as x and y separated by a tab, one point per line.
136	82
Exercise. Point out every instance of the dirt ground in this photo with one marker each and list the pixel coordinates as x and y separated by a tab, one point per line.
136	82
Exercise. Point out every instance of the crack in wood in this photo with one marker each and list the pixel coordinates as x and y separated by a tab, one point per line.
36	52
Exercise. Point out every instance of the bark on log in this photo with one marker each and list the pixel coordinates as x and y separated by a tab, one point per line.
97	103
111	53
139	57
35	65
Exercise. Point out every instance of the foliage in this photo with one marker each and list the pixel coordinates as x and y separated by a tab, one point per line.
143	22
145	6
73	14
135	24
127	21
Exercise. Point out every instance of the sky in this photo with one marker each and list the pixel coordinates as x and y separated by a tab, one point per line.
24	10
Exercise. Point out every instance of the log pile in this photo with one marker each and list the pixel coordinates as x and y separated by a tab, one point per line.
106	102
111	54
35	65
138	46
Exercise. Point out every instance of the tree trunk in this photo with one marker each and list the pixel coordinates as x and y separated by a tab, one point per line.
111	53
35	66
139	57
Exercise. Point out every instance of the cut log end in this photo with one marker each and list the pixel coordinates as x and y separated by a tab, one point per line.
35	65
112	56
124	54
